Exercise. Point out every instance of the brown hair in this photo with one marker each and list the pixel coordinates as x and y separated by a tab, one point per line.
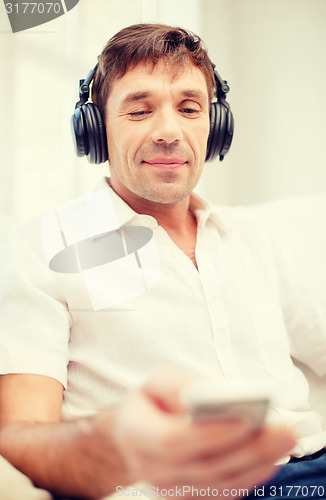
147	43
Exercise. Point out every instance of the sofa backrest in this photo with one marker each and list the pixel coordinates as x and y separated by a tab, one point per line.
301	224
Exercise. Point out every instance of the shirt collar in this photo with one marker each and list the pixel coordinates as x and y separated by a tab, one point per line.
122	210
107	212
205	211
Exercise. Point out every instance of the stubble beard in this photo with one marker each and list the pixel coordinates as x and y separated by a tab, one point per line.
166	190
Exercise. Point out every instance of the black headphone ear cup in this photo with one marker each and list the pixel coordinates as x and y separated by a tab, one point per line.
79	132
90	133
100	135
228	133
215	136
221	129
211	133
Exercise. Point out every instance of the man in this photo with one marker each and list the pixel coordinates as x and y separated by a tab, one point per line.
77	416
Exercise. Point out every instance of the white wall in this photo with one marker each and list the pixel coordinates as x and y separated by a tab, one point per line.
272	52
184	13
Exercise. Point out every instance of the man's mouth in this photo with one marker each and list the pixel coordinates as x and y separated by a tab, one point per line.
166	162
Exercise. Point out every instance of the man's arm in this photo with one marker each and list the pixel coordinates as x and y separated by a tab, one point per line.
146	437
76	458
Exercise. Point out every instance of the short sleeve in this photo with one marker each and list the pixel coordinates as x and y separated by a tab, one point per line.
34	319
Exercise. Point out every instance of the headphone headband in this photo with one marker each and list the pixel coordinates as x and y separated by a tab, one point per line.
222	87
84	87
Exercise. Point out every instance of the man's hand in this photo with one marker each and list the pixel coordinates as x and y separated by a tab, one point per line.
162	446
148	437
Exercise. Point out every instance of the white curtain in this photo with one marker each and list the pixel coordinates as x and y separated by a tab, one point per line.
41	69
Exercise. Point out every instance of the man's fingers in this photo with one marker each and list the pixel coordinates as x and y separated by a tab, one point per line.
186	441
161	444
266	448
254	459
175	439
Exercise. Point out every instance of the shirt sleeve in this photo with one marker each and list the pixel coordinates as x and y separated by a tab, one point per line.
34	319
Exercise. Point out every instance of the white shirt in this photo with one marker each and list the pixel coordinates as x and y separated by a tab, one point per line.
237	320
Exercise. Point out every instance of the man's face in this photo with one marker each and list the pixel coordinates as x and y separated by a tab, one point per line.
157	129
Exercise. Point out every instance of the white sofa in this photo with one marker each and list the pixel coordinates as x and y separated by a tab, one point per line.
301	224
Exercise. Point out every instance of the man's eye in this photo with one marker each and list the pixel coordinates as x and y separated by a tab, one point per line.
189	111
138	114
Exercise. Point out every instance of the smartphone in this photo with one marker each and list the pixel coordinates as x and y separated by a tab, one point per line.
204	403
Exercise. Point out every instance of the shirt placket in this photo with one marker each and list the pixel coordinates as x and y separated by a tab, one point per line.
208	241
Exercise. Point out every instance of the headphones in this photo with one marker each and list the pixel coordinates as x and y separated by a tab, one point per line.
89	134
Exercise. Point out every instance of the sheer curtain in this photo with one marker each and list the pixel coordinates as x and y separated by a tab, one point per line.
272	53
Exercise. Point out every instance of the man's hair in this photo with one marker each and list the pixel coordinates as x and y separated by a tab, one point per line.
148	43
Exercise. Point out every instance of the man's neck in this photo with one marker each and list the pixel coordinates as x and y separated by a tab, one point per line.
175	218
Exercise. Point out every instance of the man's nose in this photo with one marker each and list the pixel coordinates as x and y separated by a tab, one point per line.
167	127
